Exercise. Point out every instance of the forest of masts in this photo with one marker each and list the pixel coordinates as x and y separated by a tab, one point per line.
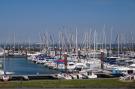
90	40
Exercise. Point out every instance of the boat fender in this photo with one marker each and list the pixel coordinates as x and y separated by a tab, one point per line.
5	78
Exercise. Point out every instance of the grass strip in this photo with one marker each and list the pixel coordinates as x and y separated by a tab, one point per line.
98	83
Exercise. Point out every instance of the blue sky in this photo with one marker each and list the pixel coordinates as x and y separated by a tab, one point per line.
27	18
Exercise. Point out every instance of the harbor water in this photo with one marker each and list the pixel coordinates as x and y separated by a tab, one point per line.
22	66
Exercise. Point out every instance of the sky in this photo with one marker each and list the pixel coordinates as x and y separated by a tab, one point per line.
28	18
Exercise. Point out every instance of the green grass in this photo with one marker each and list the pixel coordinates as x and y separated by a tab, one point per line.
103	83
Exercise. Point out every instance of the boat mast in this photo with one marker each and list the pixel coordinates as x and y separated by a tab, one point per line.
111	40
14	44
110	52
132	42
118	45
4	61
94	43
76	44
59	41
104	34
29	45
90	39
41	41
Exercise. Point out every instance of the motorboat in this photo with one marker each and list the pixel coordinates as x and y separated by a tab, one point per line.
1	51
88	73
7	73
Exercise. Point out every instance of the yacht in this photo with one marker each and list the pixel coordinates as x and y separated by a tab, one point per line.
1	52
7	73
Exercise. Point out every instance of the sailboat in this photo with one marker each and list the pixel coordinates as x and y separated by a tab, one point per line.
3	72
1	62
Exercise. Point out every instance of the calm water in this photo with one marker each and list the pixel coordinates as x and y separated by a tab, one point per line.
24	66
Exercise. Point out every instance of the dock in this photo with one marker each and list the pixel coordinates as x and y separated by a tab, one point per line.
31	77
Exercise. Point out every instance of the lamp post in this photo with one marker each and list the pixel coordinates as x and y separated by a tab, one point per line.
26	52
60	52
55	50
13	50
8	50
79	53
102	59
22	49
65	61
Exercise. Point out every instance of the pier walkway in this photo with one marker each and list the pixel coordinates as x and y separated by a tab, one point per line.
31	77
